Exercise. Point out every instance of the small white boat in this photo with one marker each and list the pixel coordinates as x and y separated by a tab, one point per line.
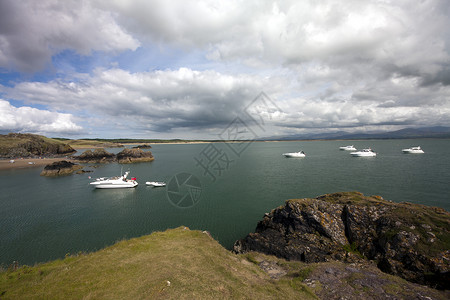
364	153
295	154
413	150
348	148
155	183
117	182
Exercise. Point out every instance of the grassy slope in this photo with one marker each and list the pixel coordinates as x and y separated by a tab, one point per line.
194	263
92	143
11	142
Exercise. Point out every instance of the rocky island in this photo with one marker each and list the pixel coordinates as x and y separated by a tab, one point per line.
403	239
99	155
125	156
60	168
144	146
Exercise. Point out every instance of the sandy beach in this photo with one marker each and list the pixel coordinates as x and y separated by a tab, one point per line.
21	163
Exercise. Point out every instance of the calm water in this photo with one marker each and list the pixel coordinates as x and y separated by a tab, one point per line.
45	218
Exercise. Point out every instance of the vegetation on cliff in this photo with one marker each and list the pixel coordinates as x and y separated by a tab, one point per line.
408	240
92	143
184	264
16	145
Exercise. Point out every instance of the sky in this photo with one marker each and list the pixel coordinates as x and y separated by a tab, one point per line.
197	69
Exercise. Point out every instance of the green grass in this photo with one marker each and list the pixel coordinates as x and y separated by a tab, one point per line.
196	266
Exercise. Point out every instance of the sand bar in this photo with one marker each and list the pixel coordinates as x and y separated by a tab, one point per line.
21	163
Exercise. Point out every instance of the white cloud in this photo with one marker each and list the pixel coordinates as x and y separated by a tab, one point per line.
32	31
159	100
28	119
393	36
206	101
328	64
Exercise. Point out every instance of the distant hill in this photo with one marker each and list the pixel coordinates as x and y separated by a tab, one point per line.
16	145
407	133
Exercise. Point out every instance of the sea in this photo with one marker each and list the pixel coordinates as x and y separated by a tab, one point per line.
223	188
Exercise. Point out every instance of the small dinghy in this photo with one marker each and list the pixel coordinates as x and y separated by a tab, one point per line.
155	183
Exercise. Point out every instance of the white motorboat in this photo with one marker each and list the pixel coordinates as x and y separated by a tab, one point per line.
118	182
348	148
295	154
155	183
364	153
413	150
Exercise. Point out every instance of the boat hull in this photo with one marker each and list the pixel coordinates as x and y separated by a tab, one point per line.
362	155
155	184
115	186
347	148
409	151
294	155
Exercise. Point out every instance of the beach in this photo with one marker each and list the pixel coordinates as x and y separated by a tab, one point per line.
6	164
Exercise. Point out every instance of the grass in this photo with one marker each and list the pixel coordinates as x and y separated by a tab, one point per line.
175	264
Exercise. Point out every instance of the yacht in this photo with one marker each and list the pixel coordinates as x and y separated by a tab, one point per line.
364	153
348	148
155	183
117	182
413	150
295	154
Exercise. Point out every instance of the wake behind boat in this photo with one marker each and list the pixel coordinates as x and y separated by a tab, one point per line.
348	148
117	182
364	153
413	150
295	154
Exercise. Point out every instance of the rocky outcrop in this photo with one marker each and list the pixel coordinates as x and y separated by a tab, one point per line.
99	155
145	146
134	155
60	168
125	156
408	240
16	145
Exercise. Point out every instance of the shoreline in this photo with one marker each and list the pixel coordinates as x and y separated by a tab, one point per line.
23	163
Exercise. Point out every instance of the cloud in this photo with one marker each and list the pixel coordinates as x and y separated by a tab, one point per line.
158	100
167	101
326	64
28	119
395	37
31	32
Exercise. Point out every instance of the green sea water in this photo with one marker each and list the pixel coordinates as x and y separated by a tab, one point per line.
222	188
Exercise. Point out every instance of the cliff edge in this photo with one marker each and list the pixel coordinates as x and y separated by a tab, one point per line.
408	240
189	264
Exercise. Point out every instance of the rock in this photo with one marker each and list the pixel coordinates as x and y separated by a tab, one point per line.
145	146
134	155
60	168
123	157
99	155
352	227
